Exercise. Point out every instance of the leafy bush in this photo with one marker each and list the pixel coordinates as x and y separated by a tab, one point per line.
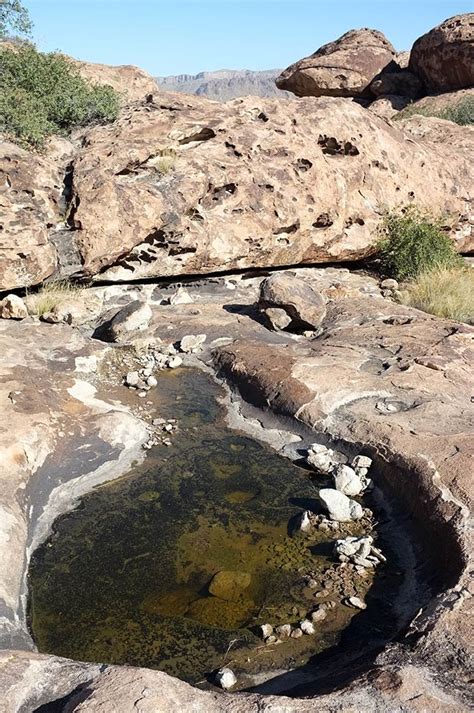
43	94
412	243
461	112
445	292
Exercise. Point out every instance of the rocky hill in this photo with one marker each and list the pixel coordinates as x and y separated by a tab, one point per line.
225	84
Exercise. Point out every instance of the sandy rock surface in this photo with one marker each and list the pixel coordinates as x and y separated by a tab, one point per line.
186	186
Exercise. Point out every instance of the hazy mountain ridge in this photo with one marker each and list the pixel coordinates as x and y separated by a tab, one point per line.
225	84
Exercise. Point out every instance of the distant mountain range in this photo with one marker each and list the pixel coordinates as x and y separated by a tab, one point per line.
225	84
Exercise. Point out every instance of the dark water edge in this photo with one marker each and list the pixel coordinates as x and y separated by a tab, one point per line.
124	578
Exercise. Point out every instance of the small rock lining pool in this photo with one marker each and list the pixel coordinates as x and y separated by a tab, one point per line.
177	565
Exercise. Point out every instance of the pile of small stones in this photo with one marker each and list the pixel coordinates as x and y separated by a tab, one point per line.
160	429
144	379
278	634
359	551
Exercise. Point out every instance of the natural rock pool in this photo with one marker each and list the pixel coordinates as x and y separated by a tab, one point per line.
175	566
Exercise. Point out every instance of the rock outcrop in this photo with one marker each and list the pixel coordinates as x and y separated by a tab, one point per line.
344	68
444	57
182	185
131	82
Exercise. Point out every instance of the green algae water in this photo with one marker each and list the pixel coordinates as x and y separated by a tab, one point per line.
174	566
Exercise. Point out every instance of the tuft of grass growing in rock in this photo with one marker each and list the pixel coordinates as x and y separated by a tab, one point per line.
44	94
412	243
444	291
461	112
51	295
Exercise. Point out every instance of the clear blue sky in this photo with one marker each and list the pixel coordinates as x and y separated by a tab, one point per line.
180	36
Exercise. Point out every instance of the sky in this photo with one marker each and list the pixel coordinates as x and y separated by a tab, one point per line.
188	36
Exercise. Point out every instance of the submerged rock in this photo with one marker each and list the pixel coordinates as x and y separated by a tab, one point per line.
229	584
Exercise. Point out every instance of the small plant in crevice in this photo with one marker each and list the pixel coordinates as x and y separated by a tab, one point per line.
413	242
51	295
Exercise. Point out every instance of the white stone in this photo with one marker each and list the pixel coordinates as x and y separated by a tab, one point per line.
132	378
181	297
283	631
226	678
362	462
389	284
192	342
321	461
304	523
13	307
307	627
151	381
317	448
356	602
174	362
347	481
267	630
339	506
319	614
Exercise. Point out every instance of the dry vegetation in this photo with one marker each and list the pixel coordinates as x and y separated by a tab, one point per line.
50	295
445	292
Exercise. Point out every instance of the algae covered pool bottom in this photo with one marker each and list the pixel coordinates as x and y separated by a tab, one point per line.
129	576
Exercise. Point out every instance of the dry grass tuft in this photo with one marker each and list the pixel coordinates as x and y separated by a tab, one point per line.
52	294
444	291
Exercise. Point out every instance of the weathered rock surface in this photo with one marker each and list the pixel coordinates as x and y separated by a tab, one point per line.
305	307
372	349
343	68
131	82
30	194
254	183
404	84
444	56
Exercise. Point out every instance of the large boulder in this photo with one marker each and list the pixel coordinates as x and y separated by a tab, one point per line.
344	68
304	306
182	185
444	57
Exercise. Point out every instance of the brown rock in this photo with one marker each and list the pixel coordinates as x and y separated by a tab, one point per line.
444	57
388	106
344	68
131	82
249	183
30	191
298	299
405	84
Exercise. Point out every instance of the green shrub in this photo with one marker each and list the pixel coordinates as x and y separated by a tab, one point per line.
412	243
42	94
446	292
461	112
